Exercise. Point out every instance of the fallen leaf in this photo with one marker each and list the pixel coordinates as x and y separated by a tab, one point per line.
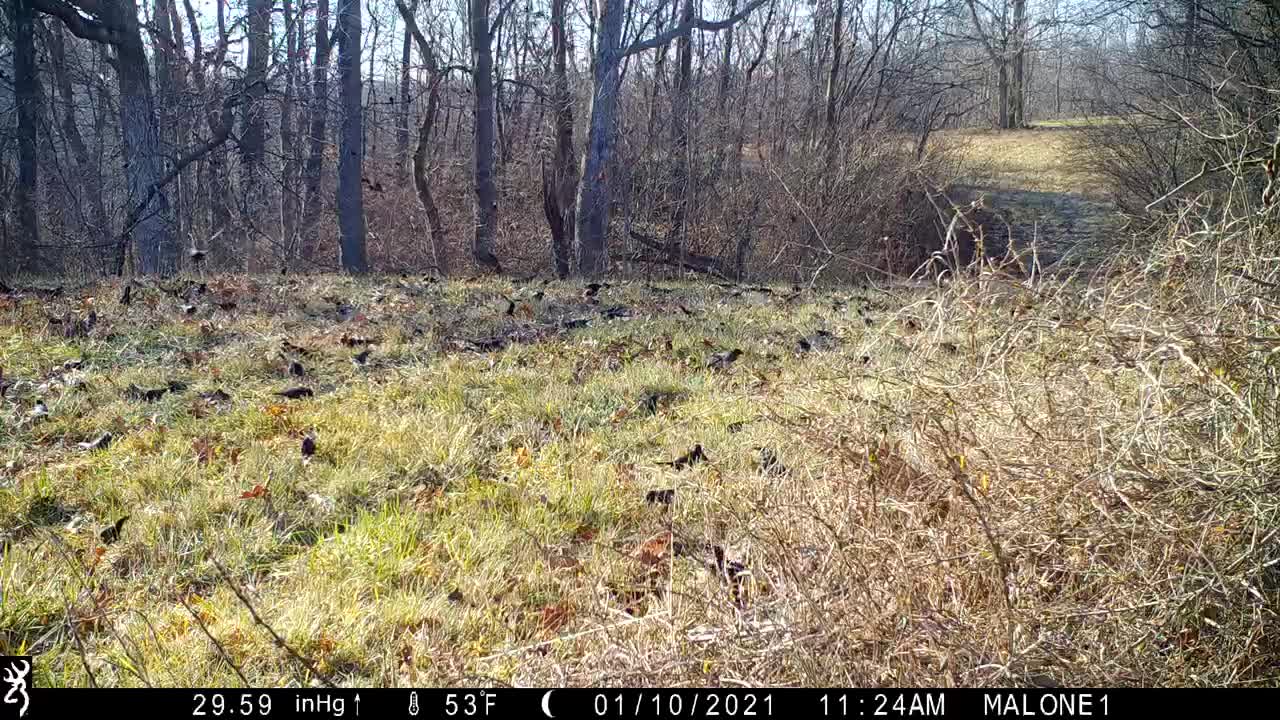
523	458
655	550
257	492
555	616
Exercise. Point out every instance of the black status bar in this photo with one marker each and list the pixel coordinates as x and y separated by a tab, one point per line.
320	703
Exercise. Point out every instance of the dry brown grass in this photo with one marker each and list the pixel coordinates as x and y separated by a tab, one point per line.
1069	483
1035	160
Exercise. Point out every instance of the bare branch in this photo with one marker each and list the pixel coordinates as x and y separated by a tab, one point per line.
695	24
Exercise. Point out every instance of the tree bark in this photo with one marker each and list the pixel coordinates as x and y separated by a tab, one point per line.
421	183
319	109
350	156
486	203
681	159
90	190
402	129
833	79
288	124
253	136
1017	90
593	188
559	187
27	97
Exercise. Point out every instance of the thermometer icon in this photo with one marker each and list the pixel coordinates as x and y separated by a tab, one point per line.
413	703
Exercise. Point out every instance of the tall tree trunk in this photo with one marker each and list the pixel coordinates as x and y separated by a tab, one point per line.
288	134
1002	93
371	108
90	190
165	51
402	129
560	185
1017	90
153	234
593	187
833	80
253	137
681	156
27	96
659	77
421	183
350	158
187	192
319	109
486	206
725	124
214	183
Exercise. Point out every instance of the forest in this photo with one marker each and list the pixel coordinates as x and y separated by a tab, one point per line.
769	139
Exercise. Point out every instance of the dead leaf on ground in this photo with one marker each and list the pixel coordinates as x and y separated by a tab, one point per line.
655	550
555	616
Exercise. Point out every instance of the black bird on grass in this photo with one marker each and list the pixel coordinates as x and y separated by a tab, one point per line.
308	446
296	393
99	443
693	457
820	340
660	497
722	360
111	533
296	369
361	358
127	297
214	397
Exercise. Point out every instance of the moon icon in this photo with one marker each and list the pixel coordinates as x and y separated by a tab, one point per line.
546	705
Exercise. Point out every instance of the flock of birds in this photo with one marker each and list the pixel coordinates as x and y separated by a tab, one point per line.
292	355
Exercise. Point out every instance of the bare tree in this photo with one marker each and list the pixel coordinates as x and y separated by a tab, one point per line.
486	205
116	24
421	181
594	186
27	96
350	148
559	184
313	172
253	133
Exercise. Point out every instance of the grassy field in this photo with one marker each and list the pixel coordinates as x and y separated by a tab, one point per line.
989	482
1039	159
984	484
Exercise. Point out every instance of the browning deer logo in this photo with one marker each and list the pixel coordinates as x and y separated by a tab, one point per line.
15	674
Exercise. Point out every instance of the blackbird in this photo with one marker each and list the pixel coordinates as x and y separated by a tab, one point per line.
127	297
111	533
360	358
99	443
308	446
660	497
296	369
722	360
693	457
296	393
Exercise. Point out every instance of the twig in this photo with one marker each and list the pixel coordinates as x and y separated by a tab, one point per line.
310	666
226	657
84	656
